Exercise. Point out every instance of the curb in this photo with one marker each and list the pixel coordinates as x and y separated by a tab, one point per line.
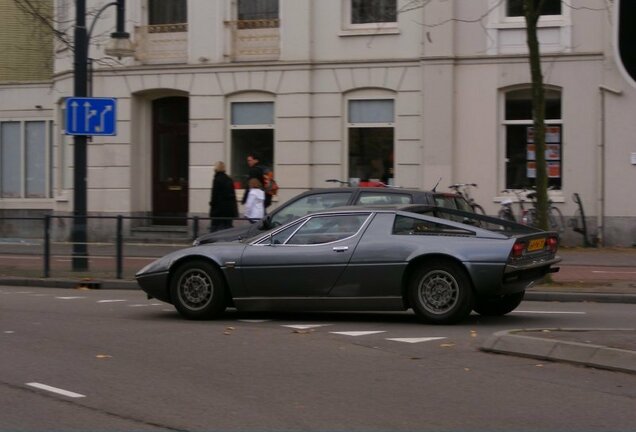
510	342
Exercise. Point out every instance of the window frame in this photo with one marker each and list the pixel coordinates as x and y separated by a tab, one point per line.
47	173
363	125
349	28
555	194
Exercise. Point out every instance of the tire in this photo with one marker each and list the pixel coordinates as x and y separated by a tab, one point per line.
556	222
498	306
441	292
198	290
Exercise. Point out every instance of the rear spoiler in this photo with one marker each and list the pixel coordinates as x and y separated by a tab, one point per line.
469	218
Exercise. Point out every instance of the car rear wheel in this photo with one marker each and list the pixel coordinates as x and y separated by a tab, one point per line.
498	306
198	290
440	292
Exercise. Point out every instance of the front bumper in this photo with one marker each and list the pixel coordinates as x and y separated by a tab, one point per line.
155	285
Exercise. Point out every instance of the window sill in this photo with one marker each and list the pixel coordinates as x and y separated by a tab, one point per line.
369	32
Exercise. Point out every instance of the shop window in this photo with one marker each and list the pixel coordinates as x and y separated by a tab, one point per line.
371	137
257	10
25	155
252	131
514	8
520	142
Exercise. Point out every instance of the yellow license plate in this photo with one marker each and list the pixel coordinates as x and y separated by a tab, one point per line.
536	244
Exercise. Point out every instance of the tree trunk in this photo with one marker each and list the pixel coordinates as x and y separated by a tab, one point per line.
532	11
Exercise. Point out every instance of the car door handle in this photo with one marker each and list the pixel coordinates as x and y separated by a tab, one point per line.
340	248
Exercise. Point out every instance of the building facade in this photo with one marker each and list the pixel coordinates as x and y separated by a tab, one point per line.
409	93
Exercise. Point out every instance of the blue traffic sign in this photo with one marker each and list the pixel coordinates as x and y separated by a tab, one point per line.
91	116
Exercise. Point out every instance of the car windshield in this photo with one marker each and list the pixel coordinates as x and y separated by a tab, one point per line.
309	204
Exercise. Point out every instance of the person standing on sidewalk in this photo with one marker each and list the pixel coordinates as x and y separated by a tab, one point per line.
223	199
255	201
257	171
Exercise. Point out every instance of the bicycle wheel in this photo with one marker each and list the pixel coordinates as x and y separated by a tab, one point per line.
506	215
478	209
555	220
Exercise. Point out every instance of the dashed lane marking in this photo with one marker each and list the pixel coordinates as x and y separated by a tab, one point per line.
304	326
110	301
358	333
70	298
415	340
550	312
55	390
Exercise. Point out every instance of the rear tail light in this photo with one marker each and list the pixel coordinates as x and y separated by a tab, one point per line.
517	249
552	244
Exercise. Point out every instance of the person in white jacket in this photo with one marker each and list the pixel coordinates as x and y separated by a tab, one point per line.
255	202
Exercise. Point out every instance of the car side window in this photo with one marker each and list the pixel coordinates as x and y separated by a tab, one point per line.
327	229
404	225
308	204
373	198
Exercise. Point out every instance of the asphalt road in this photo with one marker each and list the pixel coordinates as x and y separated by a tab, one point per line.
133	364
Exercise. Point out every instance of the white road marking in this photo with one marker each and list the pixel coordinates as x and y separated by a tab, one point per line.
358	333
9	332
613	272
69	298
415	340
550	312
305	326
55	390
253	320
110	301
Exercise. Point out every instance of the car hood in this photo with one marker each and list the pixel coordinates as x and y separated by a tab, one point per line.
226	235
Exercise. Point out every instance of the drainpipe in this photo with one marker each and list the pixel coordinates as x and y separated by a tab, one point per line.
600	225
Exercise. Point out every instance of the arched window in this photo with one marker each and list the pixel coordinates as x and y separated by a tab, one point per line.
519	137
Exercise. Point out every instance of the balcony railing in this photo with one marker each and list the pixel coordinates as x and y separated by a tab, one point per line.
162	44
253	40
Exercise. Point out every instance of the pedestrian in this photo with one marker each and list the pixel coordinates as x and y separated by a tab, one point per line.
255	201
257	171
223	204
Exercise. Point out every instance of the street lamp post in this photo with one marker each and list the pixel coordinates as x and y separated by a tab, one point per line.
80	87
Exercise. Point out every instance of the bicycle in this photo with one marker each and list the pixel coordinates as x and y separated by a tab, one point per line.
506	212
556	222
463	190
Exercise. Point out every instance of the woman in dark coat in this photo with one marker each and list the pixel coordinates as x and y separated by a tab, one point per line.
223	200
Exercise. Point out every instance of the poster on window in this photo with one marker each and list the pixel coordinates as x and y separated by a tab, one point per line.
531	169
553	134
554	169
553	152
531	154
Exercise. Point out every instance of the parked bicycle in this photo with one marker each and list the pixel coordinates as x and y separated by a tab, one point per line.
529	216
506	211
556	222
463	190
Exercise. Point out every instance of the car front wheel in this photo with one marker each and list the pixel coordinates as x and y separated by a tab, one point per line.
440	292
198	290
498	306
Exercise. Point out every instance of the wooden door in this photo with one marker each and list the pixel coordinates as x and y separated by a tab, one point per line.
170	142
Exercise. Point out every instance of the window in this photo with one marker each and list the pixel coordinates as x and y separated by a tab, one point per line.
257	10
373	198
373	11
370	130
514	8
520	145
308	204
25	154
252	125
404	225
327	229
167	12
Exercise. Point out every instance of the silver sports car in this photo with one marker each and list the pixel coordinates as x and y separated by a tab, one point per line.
443	266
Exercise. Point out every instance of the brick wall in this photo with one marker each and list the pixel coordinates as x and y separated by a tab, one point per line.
25	43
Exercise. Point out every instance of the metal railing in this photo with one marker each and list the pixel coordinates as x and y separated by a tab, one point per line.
113	248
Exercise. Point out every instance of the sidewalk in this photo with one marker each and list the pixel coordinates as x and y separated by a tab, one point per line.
586	274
